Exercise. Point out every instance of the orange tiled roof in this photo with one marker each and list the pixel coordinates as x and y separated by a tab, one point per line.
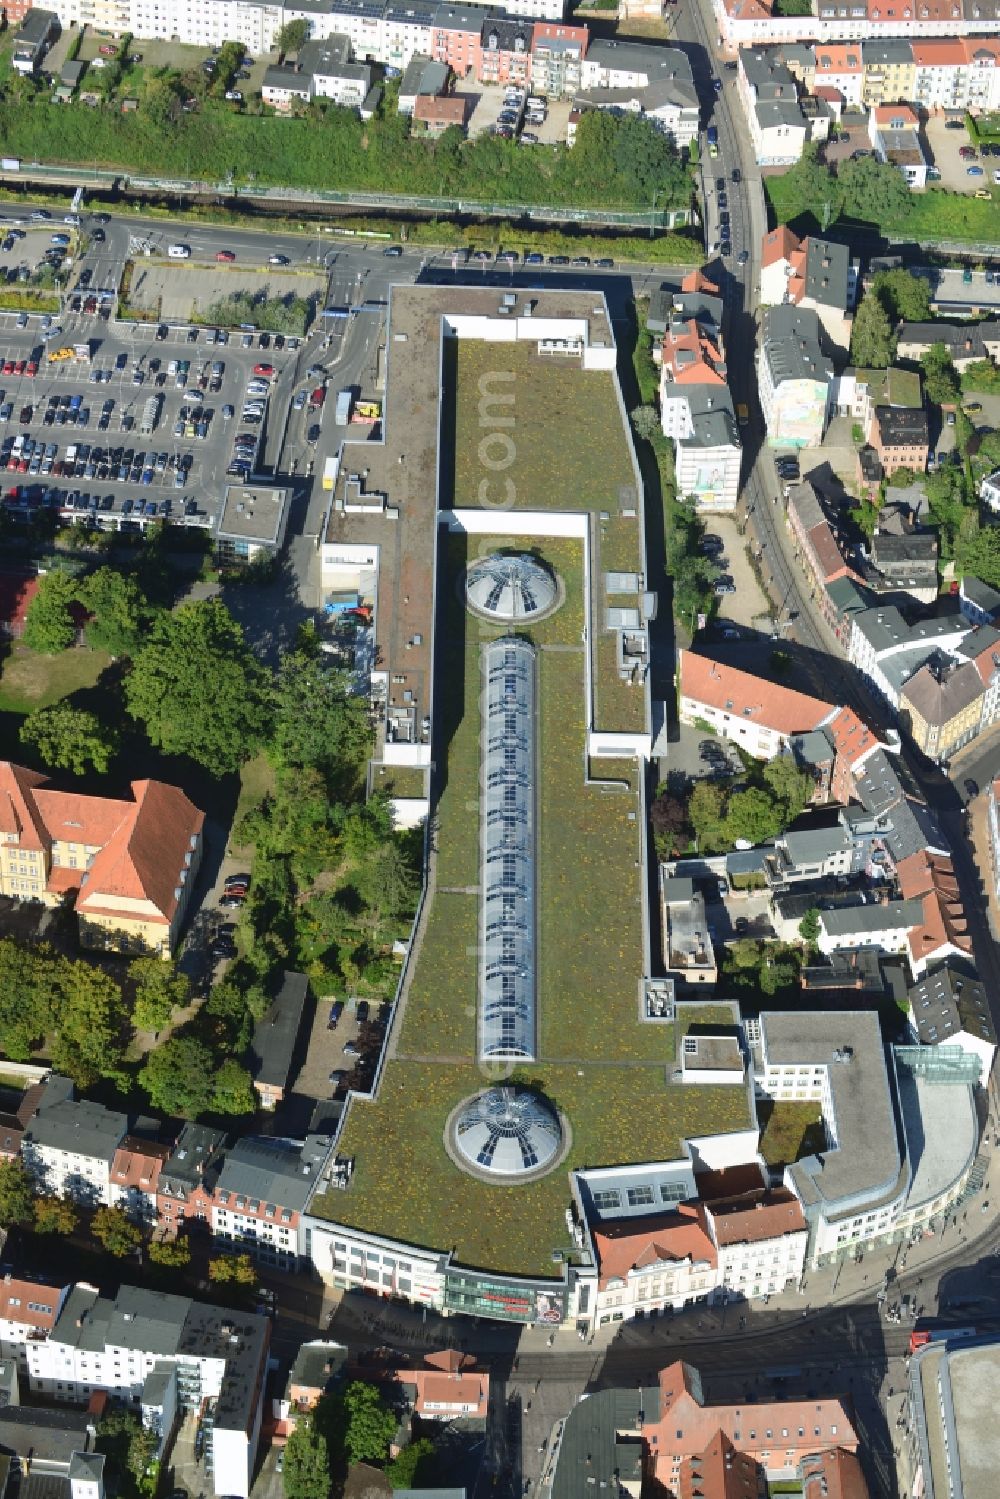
757	701
852	738
720	1472
779	244
839	57
137	1163
18	808
14	1298
144	860
924	10
939	52
632	1243
71	817
454	1390
886	114
930	878
751	1219
835	1474
696	281
686	1427
706	362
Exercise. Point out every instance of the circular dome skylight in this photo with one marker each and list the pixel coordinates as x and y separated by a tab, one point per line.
510	587
506	1132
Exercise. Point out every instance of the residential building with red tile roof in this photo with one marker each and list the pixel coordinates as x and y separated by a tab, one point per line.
28	1312
833	1474
447	1387
838	65
135	1174
812	273
761	1239
776	1434
648	1265
943	930
758	715
126	866
745	23
853	743
721	1472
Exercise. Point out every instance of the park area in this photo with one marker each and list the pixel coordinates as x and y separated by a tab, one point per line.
597	1061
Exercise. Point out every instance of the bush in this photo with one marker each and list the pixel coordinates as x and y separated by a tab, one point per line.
291	315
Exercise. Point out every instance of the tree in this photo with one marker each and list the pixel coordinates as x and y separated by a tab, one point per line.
408	1469
197	688
116	1232
905	297
809	927
306	1472
963	432
17	1200
753	816
671	825
233	1091
54	1216
174	1254
119	611
872	342
873	191
371	1424
948	503
977	551
706	810
940	378
89	1021
68	738
646	421
390	883
292	36
790	786
232	1269
809	187
318	721
178	1076
49	626
159	989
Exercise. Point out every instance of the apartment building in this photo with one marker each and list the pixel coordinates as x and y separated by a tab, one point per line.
187	1178
762	717
887	71
135	1175
794	377
263	1189
506	51
655	82
941	707
127	868
888	650
904	564
815	539
760	1237
770	98
901	438
33	38
810	273
949	1006
744	23
557	55
837	66
28	1312
69	1148
696	408
966	342
191	1353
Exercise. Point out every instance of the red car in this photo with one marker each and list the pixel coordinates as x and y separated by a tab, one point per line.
22	466
12	464
32	369
264	370
317	398
227	255
8	366
20	367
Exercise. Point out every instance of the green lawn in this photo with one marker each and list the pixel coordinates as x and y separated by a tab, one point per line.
936	214
400	780
407	1187
29	681
789	1130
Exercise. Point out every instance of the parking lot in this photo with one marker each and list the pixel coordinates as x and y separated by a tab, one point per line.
944	145
747	607
184	291
125	425
505	109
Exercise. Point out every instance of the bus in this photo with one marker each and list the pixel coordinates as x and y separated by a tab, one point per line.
921	1336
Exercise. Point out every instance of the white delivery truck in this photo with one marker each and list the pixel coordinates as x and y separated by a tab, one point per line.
342	414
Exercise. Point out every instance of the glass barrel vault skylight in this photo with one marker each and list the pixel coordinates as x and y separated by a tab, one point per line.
507	934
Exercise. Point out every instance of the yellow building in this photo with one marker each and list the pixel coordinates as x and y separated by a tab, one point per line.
126	867
941	706
888	72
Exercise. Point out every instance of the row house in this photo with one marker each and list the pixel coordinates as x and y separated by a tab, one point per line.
887	650
263	1189
760	1238
28	1312
135	1175
69	1147
745	23
649	1265
838	66
168	1355
811	273
456	39
696	408
557	57
817	545
506	51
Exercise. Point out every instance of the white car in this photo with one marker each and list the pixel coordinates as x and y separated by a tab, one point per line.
996	176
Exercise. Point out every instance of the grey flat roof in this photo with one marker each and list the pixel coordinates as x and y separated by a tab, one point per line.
272	1048
812	844
866	1163
592	1458
49	1435
254	512
982	594
885	628
712	415
637	57
316	1364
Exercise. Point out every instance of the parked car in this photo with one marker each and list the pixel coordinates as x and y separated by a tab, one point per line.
336	1010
